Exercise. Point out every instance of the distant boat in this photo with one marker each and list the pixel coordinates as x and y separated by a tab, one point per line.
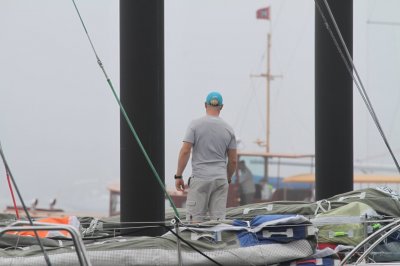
362	180
51	211
280	192
35	211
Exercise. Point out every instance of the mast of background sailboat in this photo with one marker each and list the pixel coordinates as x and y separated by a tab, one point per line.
268	77
268	80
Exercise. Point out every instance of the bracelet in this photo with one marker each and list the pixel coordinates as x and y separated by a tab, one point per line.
178	177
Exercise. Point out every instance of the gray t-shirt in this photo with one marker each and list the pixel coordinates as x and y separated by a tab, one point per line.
211	137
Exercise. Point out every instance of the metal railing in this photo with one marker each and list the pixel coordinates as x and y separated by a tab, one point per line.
78	243
369	243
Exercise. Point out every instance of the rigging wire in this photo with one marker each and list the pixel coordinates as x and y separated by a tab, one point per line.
387	23
241	118
162	226
189	226
9	174
396	111
362	86
356	79
12	195
128	121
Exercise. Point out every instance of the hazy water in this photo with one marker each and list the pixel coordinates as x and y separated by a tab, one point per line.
84	196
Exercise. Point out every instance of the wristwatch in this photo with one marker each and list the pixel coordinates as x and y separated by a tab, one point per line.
178	177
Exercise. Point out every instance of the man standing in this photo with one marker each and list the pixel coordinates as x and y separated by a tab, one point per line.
247	187
214	160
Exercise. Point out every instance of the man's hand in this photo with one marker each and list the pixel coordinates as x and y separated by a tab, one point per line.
229	180
180	184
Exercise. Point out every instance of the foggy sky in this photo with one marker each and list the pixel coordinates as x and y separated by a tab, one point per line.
59	122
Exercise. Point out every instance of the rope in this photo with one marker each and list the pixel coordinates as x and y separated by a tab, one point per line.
193	247
12	195
227	250
356	79
126	115
320	207
9	174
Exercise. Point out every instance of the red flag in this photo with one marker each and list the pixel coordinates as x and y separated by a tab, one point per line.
264	13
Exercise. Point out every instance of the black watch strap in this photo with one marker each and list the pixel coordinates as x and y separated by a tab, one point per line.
178	177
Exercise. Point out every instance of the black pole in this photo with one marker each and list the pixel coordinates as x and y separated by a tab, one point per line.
333	103
142	94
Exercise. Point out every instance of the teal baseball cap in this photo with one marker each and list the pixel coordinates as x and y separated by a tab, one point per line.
214	99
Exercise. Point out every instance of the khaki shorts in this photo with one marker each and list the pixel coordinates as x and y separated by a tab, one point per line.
206	196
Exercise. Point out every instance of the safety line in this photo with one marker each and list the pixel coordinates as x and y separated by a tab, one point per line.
126	116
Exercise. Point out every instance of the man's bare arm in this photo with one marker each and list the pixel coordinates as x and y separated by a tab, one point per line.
232	163
183	159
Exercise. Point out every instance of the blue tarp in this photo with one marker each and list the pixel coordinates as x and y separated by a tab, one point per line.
273	230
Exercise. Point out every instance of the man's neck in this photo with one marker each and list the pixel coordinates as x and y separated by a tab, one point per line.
213	111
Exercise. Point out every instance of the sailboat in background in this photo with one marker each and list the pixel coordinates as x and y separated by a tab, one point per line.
257	234
281	191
